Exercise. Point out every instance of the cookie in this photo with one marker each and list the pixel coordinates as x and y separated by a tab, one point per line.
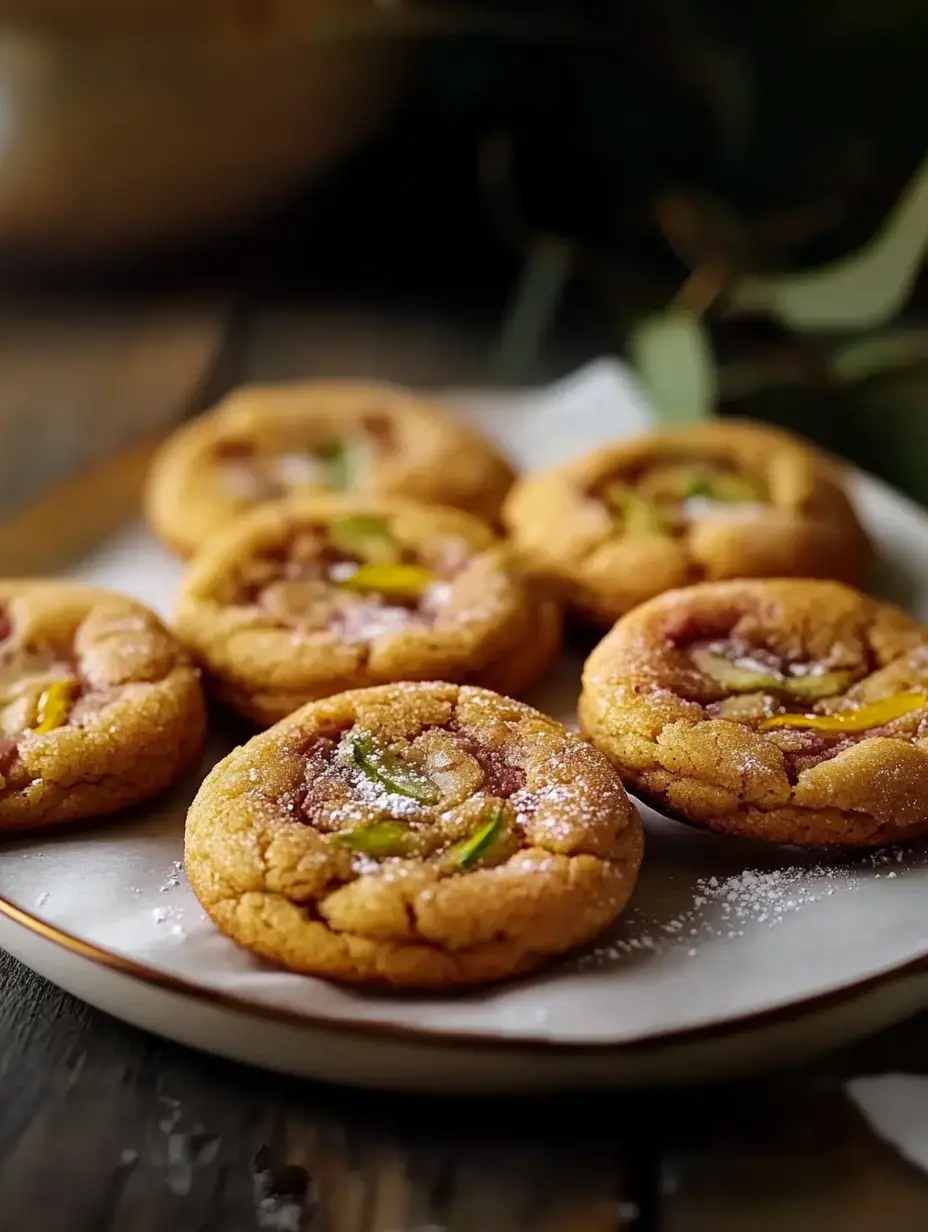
265	442
791	711
100	707
723	499
414	835
314	595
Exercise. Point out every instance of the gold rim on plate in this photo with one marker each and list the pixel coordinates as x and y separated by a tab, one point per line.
27	539
479	1040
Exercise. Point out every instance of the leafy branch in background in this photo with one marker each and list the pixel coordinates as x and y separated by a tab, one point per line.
857	294
716	174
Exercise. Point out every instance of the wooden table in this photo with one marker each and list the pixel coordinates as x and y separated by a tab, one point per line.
106	1129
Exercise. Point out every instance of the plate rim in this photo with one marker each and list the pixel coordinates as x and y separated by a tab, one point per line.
116	471
477	1039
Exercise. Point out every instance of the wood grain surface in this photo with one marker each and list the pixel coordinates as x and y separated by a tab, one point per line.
106	1129
103	1127
83	379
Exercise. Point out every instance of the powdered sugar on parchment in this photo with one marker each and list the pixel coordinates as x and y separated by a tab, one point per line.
810	941
728	907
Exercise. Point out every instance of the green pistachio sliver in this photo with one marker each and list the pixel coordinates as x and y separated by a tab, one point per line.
470	851
367	538
815	687
698	487
639	516
737	679
382	767
730	676
727	487
381	839
336	458
737	488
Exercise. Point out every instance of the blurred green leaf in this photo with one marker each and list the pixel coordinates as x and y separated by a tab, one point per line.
865	290
533	308
672	353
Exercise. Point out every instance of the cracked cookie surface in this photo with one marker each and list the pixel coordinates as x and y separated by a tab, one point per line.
266	442
100	707
786	710
315	595
729	499
413	835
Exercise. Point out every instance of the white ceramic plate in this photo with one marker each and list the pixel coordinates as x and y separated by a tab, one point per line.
731	955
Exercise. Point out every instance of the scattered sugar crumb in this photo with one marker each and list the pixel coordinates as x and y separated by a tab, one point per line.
342	570
438	594
173	878
369	792
726	907
293	470
362	622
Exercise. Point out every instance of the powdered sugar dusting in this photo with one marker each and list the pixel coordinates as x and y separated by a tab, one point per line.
242	481
437	595
295	470
342	570
369	792
728	907
703	507
362	622
172	880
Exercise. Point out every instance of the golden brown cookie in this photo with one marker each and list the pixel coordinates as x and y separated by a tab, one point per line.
415	835
266	442
313	595
99	706
717	500
792	711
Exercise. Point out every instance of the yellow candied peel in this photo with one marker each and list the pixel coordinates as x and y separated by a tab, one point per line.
54	705
639	516
389	579
876	714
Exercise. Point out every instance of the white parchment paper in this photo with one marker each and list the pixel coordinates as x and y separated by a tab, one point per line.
718	928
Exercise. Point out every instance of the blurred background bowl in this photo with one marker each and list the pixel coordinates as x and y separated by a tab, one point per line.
134	125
